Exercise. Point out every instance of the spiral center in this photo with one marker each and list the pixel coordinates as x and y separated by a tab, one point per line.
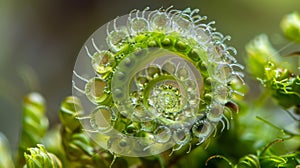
168	99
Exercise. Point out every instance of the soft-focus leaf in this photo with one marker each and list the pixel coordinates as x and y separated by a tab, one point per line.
5	154
260	52
290	26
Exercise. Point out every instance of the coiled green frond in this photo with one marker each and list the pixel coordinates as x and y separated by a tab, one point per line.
154	80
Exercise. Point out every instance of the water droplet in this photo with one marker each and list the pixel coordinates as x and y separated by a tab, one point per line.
181	24
202	129
169	68
215	112
222	94
181	136
183	73
223	72
152	72
115	39
202	36
138	25
145	142
101	119
162	134
159	21
103	62
214	54
95	90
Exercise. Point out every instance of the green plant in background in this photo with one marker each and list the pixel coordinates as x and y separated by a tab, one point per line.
281	80
39	157
275	74
34	123
70	145
291	26
5	159
279	77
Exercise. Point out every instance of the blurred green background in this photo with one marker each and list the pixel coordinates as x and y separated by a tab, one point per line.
40	40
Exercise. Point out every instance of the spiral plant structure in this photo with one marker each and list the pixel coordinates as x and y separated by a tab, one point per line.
154	80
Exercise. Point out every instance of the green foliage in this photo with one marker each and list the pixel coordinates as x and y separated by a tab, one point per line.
265	64
277	76
76	145
272	160
290	25
245	145
39	157
260	52
69	110
284	85
5	154
264	158
34	123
